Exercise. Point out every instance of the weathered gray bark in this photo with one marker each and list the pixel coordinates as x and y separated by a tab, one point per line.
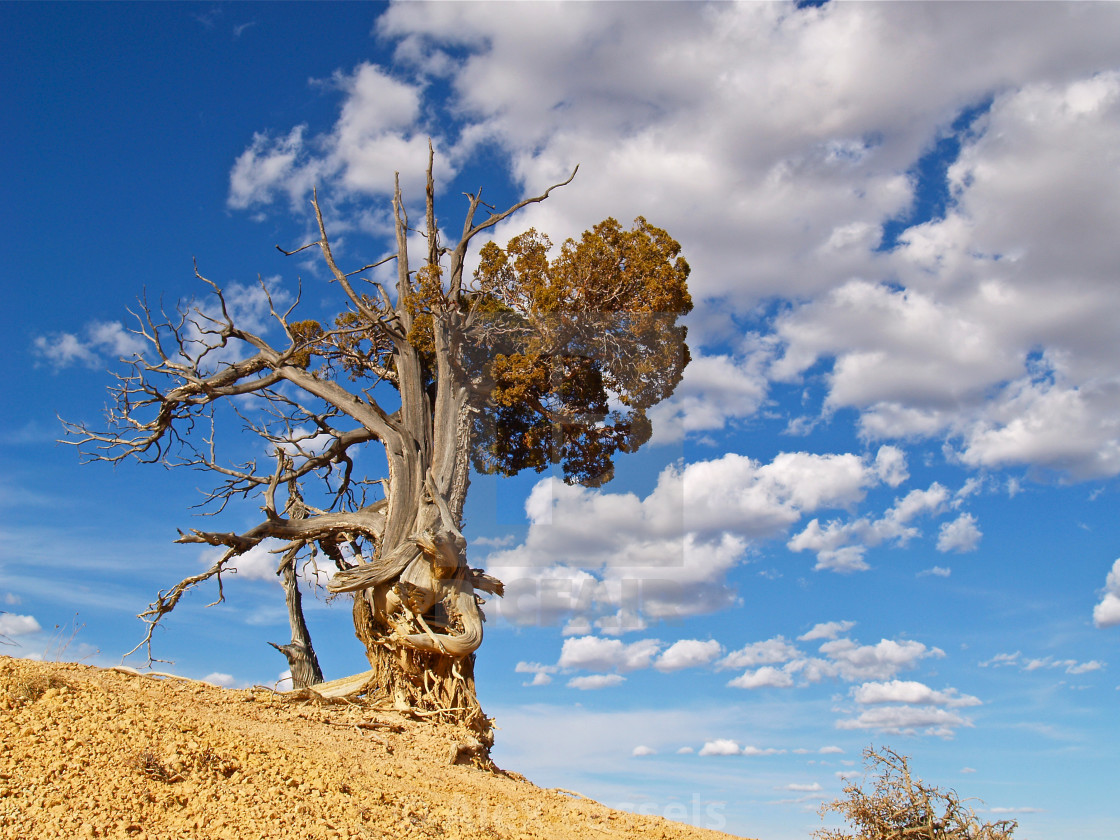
300	653
302	661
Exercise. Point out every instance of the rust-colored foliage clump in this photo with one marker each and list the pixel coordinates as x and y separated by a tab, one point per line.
576	348
305	336
901	807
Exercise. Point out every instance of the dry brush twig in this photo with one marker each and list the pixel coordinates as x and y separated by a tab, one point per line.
900	807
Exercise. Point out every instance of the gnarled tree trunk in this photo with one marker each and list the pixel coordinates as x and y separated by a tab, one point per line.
421	625
417	612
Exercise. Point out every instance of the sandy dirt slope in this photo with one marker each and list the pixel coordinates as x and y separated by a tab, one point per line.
87	752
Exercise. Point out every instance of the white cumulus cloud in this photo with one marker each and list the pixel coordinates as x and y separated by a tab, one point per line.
714	391
618	559
962	534
765	677
542	674
768	652
910	692
18	625
1107	612
720	746
594	653
688	653
841	546
378	132
854	662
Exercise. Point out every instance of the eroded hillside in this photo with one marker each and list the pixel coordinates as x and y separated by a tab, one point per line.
88	752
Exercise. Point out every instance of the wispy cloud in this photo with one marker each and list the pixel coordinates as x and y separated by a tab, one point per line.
1027	664
826	630
907	720
594	682
841	546
99	343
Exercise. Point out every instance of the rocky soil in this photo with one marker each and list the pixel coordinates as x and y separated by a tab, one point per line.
88	752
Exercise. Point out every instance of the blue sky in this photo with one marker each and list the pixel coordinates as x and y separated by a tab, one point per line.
879	509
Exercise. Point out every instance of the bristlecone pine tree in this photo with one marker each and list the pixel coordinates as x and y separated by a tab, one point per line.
548	357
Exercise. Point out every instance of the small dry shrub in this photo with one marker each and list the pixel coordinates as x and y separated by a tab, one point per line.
204	761
210	761
149	764
31	689
904	808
